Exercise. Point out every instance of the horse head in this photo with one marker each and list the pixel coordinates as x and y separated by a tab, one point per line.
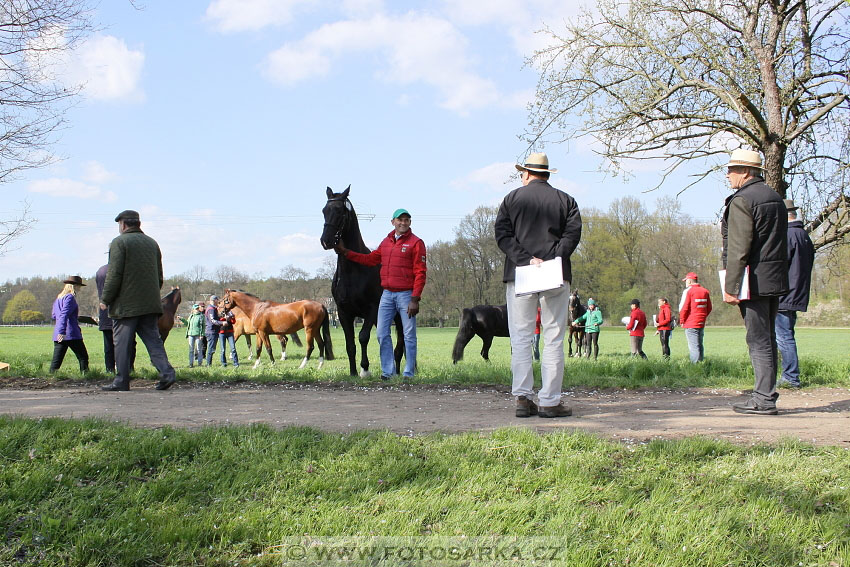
337	212
174	297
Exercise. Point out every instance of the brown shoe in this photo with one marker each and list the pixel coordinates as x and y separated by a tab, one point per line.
555	411
525	407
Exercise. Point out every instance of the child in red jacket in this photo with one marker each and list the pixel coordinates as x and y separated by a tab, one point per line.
636	325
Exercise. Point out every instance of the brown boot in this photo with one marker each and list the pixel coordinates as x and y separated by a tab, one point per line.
555	411
525	407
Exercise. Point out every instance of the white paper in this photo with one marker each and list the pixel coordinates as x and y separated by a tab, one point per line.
540	277
745	283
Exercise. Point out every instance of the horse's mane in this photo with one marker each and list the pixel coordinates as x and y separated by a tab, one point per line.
246	293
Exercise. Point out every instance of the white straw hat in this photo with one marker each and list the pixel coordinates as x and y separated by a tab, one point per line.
536	162
745	158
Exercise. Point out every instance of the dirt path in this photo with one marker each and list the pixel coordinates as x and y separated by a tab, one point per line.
820	416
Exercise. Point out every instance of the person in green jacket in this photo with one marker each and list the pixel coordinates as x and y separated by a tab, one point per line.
194	332
592	320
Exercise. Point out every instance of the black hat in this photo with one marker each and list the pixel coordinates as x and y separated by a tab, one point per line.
76	280
127	215
635	302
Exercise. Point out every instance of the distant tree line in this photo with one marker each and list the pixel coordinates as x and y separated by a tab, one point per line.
626	252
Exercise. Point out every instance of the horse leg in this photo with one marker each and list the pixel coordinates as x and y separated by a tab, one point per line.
485	350
320	342
250	350
347	323
309	333
259	349
398	351
363	337
570	341
283	341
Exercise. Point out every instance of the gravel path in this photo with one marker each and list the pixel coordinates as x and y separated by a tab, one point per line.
820	416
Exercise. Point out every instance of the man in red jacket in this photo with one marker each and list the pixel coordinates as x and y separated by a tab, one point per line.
403	268
636	325
693	311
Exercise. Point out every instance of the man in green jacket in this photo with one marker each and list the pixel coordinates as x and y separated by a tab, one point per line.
131	292
592	320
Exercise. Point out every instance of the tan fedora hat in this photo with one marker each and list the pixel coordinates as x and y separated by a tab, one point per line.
536	162
745	158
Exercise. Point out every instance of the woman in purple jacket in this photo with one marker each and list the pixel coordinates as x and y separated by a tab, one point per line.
66	332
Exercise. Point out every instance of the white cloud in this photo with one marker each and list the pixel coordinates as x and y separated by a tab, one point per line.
107	69
63	187
229	16
299	245
95	172
417	48
497	177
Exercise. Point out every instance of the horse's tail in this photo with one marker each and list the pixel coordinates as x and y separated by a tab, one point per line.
465	333
326	335
296	339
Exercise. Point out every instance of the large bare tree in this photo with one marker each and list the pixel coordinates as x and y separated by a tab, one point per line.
35	36
684	80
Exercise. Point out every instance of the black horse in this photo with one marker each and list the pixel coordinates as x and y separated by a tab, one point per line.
356	289
576	310
486	321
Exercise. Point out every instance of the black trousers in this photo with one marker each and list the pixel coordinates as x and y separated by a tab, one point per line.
108	350
592	341
124	335
76	345
665	342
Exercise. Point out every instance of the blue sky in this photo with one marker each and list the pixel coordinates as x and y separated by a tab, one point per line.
223	121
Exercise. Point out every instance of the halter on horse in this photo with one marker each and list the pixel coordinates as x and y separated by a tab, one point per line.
576	310
356	289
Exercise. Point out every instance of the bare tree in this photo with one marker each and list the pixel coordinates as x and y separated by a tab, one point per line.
34	36
683	80
14	227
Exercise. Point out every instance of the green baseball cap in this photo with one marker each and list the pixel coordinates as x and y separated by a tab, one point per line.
399	212
591	302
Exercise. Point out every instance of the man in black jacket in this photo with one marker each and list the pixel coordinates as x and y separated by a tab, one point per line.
754	230
801	258
535	223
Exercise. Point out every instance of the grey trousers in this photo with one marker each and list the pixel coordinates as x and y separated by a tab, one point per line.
123	335
759	314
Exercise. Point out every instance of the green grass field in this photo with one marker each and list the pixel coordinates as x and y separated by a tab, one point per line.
88	493
823	354
91	493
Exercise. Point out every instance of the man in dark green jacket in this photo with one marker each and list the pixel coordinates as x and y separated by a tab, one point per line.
754	230
131	292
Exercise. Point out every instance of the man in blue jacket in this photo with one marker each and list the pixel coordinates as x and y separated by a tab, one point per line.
801	258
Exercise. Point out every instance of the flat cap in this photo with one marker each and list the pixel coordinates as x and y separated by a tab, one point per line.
127	215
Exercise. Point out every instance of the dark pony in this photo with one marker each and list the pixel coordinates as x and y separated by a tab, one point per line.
486	321
169	310
356	289
575	310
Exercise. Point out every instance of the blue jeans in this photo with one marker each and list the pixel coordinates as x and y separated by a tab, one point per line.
228	339
212	340
694	338
195	350
785	321
393	302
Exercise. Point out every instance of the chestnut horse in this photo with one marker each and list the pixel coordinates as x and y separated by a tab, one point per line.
243	326
356	289
169	310
271	318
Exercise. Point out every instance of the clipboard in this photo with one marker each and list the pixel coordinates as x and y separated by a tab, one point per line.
744	294
540	277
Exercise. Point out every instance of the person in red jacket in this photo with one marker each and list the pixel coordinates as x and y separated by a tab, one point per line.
636	325
693	311
403	268
664	325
